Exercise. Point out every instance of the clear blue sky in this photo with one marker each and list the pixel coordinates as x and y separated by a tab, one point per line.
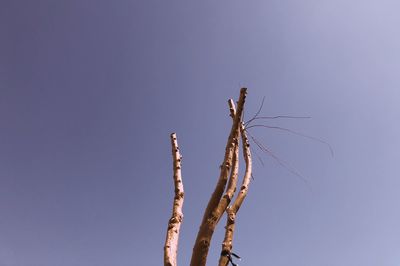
91	90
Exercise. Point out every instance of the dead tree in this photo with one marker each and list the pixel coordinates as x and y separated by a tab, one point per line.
174	224
222	199
219	201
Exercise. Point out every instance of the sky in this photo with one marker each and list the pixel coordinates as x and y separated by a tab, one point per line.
91	90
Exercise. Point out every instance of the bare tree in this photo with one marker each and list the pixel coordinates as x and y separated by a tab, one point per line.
222	199
219	201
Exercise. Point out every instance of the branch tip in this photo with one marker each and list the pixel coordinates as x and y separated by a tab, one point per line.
174	223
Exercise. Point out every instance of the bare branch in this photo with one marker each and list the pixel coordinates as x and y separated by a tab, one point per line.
174	224
211	217
232	210
231	188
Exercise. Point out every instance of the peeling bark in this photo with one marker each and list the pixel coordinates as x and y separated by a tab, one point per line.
212	213
174	223
234	208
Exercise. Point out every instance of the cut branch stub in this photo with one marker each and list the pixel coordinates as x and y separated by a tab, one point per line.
174	224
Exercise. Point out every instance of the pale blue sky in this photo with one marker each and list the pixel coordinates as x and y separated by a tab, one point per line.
91	90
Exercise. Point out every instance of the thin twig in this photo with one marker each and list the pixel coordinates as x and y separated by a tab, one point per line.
295	133
257	113
281	162
258	156
280	116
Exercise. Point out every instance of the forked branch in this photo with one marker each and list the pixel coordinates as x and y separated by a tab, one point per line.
232	210
231	187
174	224
221	202
212	213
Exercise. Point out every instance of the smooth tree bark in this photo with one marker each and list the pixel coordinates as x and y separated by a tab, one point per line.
215	209
174	224
232	210
231	187
219	201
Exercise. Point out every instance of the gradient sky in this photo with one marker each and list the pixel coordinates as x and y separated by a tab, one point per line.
90	91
